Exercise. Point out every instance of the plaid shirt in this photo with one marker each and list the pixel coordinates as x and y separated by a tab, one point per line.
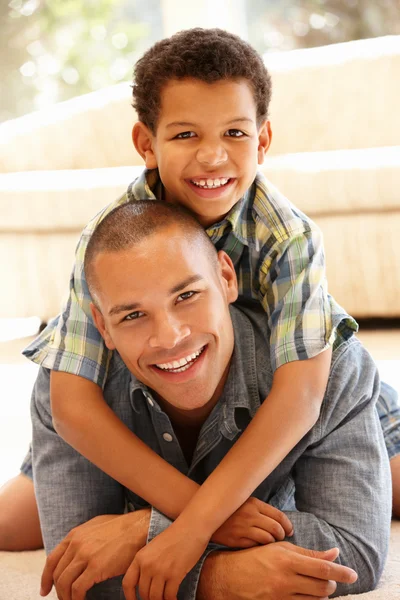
279	260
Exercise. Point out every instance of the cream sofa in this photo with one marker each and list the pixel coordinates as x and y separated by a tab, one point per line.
335	154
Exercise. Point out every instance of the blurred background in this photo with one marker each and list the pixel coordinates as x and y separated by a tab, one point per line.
56	50
53	50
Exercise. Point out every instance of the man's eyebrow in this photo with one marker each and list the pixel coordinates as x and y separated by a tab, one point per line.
181	286
119	308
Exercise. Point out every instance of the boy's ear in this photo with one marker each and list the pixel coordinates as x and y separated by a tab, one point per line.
143	141
264	140
101	326
228	276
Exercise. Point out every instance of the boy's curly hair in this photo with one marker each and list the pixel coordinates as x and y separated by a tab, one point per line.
206	54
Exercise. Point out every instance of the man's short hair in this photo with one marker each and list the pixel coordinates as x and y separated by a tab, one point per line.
130	223
209	55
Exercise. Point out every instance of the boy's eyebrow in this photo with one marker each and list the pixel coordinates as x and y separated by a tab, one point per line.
189	124
130	306
240	120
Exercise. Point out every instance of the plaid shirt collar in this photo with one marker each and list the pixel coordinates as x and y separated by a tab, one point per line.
240	219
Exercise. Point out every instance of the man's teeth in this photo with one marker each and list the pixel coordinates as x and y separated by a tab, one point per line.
182	364
211	183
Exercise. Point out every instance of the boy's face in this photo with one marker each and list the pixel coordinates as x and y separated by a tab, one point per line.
165	307
207	145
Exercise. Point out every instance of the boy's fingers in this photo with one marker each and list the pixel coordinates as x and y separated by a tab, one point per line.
130	581
171	589
46	582
260	536
271	526
276	515
157	589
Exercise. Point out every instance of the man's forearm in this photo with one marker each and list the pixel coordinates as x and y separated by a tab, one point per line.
213	582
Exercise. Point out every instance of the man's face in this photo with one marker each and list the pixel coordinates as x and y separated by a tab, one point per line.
207	145
164	306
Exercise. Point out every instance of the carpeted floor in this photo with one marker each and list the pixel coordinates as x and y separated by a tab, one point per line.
20	574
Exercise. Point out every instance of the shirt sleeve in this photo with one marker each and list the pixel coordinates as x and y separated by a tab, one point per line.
303	319
71	342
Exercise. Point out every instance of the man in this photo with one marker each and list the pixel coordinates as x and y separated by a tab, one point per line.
188	375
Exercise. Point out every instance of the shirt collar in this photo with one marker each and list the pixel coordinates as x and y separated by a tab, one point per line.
147	186
240	219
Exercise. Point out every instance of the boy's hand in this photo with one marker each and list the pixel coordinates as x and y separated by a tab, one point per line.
255	522
159	568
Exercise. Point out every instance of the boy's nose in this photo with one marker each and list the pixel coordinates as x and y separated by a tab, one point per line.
211	155
168	332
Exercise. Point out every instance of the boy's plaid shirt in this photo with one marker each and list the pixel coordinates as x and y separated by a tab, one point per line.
279	260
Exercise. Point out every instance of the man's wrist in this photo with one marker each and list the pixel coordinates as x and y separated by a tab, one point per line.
213	582
140	521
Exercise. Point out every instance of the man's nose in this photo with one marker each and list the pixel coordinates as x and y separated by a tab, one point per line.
168	332
211	154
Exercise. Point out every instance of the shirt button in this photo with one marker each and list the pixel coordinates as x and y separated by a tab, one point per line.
167	437
150	401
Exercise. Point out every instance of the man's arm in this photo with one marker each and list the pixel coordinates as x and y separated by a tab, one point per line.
278	570
104	545
342	480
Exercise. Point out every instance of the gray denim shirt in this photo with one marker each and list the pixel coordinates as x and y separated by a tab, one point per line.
334	485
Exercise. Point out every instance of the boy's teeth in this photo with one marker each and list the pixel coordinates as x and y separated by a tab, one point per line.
211	183
181	363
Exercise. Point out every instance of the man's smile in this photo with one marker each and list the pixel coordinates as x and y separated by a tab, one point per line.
181	364
181	370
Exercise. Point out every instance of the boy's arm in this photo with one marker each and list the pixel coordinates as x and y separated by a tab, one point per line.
84	420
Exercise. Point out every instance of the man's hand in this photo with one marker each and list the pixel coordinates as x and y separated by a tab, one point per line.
255	522
102	548
160	567
280	571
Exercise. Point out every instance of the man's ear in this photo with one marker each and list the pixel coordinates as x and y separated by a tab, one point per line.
264	140
228	276
143	142
101	326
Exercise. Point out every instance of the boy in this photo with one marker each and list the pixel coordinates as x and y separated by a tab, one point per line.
202	99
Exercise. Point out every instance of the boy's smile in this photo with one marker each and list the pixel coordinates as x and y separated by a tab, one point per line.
207	144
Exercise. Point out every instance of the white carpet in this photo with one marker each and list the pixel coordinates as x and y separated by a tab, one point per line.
20	574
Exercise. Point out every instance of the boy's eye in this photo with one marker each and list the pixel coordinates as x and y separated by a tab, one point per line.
186	296
185	135
234	133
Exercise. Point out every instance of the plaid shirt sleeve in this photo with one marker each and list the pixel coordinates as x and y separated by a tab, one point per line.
71	342
304	320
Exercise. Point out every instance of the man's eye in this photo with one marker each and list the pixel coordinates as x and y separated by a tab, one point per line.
185	135
133	316
234	133
186	296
